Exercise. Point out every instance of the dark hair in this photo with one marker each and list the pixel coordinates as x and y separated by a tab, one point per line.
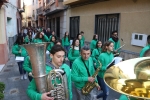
52	37
113	32
58	40
66	36
78	35
38	35
97	43
82	32
73	44
30	36
56	48
106	44
86	47
148	39
19	40
94	36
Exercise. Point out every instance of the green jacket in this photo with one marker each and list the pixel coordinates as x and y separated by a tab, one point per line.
32	90
65	42
38	40
27	65
144	50
73	55
50	46
26	39
51	37
81	43
124	97
116	44
79	73
93	44
104	58
95	54
16	48
83	38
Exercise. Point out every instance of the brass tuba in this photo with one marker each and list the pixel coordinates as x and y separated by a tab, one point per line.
130	77
89	85
59	91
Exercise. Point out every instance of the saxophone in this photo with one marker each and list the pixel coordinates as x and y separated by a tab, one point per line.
90	85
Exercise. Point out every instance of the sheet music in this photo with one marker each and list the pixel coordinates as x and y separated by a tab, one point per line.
18	59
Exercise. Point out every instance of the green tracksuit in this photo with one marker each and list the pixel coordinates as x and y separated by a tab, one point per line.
16	48
93	45
144	50
79	73
27	65
32	90
38	40
116	44
83	38
124	97
105	58
50	46
65	42
81	43
95	54
73	55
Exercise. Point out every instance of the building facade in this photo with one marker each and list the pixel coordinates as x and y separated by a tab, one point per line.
103	16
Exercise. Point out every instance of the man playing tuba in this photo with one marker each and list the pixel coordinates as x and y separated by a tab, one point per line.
57	55
81	73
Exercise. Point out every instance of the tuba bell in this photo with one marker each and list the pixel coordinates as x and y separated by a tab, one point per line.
130	77
46	82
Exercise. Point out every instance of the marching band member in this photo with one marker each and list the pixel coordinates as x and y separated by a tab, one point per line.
40	37
96	52
79	36
93	42
66	42
105	58
81	73
57	54
146	47
74	52
114	38
83	38
52	41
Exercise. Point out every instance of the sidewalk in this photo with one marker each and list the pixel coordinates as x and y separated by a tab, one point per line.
15	88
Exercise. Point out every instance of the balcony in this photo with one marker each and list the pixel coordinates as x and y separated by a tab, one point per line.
80	2
53	6
40	11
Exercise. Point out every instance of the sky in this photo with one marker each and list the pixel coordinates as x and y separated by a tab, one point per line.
27	2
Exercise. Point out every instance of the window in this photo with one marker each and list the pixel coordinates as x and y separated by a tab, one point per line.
74	26
105	24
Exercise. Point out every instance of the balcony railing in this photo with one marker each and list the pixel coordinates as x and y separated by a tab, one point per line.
53	6
40	11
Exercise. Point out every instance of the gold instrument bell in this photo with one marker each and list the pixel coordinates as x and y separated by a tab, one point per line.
130	77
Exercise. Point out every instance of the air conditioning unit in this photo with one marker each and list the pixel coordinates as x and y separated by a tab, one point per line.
139	39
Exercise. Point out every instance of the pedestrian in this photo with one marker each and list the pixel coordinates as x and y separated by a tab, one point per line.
40	37
52	41
66	42
79	36
93	42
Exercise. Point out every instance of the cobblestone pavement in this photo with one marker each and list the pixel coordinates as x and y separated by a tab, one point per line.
16	88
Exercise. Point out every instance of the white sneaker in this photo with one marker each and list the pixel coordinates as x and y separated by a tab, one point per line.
94	97
21	77
25	76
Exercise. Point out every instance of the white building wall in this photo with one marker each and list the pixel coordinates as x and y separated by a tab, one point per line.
11	18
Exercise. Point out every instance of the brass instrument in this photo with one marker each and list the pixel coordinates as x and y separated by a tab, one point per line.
89	85
59	91
130	77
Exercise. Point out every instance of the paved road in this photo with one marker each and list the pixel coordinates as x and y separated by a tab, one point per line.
16	88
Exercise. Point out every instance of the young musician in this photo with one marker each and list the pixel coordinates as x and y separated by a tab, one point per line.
21	52
105	58
57	54
83	38
81	73
93	42
66	42
146	47
96	52
28	38
40	37
74	52
52	41
79	36
114	38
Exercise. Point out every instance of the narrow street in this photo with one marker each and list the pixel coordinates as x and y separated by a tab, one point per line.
15	88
